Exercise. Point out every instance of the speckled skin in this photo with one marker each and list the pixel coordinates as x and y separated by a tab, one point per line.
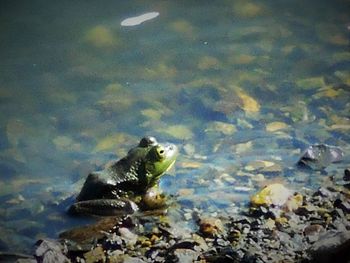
124	180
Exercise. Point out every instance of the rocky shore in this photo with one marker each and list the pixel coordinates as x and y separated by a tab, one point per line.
279	225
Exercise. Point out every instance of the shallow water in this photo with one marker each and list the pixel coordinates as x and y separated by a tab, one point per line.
230	82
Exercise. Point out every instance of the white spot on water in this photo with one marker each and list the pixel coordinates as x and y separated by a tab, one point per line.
136	20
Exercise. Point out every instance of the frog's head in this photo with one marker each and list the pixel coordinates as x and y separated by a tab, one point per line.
159	159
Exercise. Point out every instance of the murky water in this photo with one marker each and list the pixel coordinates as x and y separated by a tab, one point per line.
241	86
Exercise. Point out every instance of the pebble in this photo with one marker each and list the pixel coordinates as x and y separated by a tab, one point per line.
311	83
249	104
101	37
179	131
129	237
211	226
95	255
258	165
313	230
276	126
221	127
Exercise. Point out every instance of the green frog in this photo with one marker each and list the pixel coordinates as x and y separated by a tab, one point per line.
126	183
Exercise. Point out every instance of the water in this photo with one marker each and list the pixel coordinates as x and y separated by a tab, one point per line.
230	82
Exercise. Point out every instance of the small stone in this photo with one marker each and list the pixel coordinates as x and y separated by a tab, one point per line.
188	216
257	165
276	126
343	205
152	114
179	131
211	226
129	237
110	142
184	255
16	200
275	168
294	202
311	83
222	127
185	191
208	62
190	165
270	224
95	255
241	148
101	37
50	251
249	104
202	244
258	178
183	27
245	9
313	230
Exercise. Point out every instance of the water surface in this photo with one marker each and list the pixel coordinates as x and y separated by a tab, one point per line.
230	82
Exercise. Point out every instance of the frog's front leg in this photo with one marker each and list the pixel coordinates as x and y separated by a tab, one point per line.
153	199
104	207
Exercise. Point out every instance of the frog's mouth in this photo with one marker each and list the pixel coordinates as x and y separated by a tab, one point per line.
170	166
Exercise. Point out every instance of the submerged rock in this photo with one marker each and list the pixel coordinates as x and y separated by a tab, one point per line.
319	156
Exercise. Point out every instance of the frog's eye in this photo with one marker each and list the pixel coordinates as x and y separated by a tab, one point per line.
147	141
160	151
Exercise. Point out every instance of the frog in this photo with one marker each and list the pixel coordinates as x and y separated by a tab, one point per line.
125	185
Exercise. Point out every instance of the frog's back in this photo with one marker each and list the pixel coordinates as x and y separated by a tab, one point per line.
118	177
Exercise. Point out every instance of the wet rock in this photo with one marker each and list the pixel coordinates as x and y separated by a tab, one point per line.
325	192
129	237
8	257
319	156
221	254
95	255
313	230
185	255
130	259
346	175
332	246
343	205
273	194
50	251
211	226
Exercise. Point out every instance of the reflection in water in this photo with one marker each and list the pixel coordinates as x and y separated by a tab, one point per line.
243	89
